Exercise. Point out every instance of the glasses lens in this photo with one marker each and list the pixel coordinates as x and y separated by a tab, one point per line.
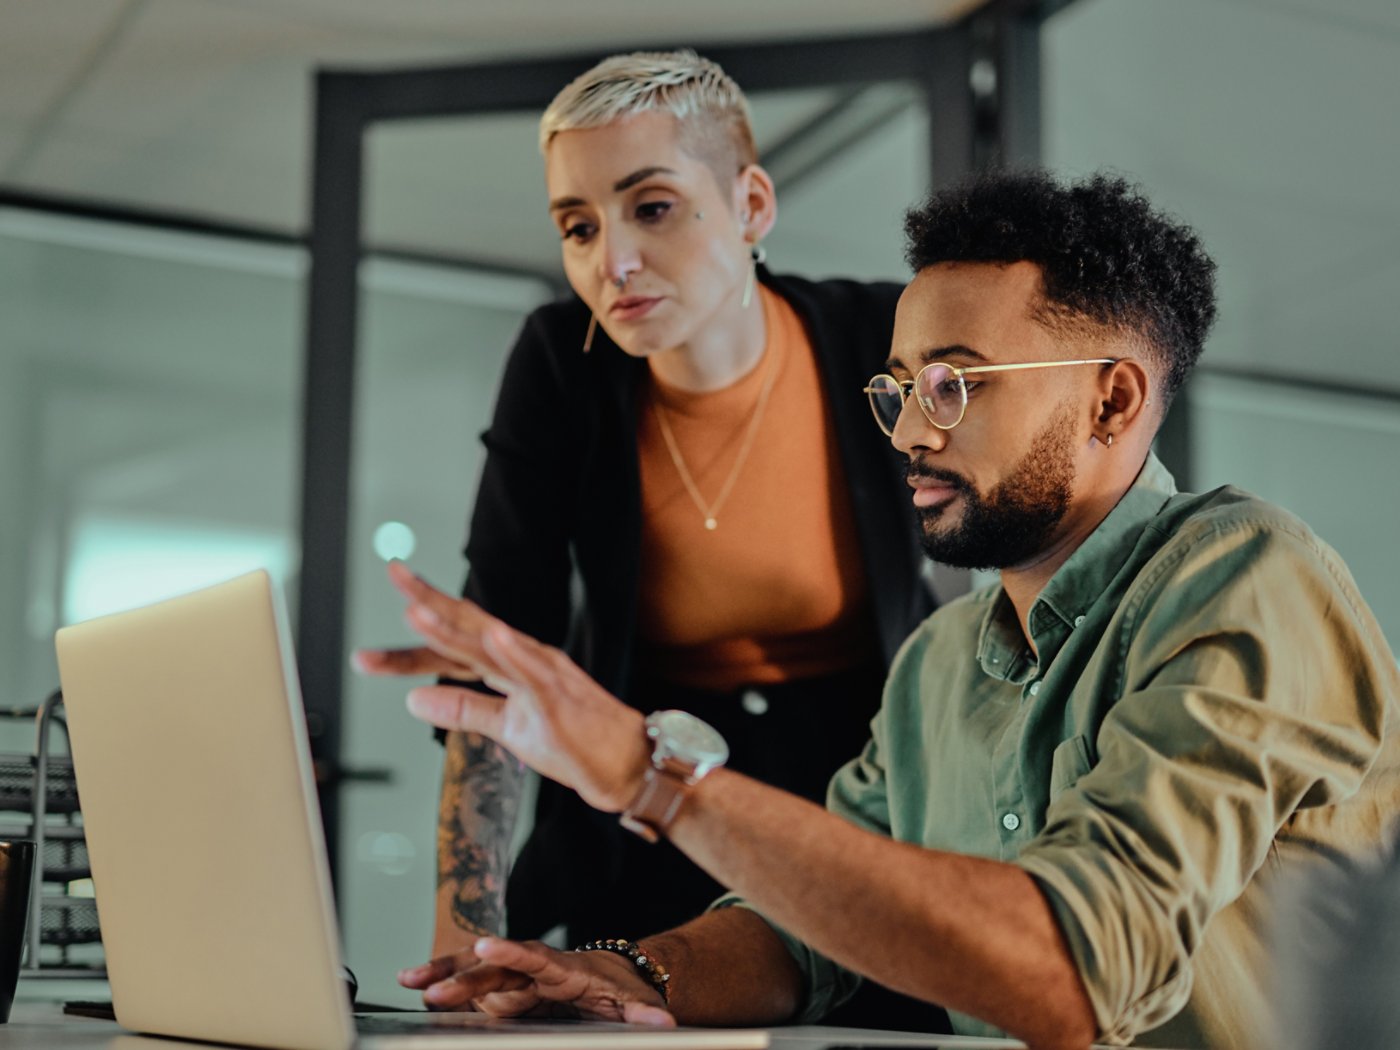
886	401
940	395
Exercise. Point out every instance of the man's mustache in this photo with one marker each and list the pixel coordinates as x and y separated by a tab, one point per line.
917	471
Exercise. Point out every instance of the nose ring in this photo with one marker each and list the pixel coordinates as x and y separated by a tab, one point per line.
621	282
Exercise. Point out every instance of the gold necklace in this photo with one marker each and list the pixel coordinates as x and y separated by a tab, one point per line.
711	510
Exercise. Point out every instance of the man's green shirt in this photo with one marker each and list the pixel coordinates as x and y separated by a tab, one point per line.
1208	702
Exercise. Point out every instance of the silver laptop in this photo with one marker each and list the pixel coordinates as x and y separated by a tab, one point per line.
208	857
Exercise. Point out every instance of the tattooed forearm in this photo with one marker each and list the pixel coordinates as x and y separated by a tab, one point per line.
481	787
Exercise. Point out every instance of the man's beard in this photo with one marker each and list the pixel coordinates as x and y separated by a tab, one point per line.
1012	523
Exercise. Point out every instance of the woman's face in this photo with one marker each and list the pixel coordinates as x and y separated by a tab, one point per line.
629	202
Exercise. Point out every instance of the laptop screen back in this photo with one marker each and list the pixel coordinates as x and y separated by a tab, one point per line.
208	858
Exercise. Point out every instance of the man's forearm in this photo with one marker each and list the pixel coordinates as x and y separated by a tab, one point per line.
728	967
481	789
971	934
974	935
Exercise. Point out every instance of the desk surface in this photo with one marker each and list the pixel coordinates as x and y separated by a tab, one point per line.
38	1023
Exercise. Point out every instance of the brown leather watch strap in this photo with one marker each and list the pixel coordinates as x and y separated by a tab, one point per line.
659	799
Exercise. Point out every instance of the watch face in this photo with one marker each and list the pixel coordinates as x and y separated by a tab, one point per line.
687	738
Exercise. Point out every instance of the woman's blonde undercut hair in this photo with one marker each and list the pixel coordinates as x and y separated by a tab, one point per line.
711	111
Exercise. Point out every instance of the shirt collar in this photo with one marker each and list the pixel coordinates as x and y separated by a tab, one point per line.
1083	577
1088	571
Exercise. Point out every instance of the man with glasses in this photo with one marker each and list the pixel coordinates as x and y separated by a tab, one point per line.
1083	779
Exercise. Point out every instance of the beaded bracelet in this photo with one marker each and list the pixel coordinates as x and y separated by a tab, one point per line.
652	970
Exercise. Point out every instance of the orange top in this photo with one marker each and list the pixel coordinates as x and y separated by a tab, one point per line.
777	591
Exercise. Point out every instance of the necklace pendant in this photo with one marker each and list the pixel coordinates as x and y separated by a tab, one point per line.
711	524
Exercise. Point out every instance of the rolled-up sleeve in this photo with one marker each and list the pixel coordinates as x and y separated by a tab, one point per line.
1253	692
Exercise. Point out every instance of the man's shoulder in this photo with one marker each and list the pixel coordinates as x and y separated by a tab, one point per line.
1190	520
1229	540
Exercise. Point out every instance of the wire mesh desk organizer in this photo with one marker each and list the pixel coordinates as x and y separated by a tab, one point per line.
39	801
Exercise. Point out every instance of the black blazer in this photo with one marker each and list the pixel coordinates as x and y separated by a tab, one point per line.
561	489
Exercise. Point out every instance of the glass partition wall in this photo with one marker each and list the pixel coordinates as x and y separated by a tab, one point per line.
148	406
148	445
1269	127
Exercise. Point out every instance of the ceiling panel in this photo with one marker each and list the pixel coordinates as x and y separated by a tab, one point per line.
203	107
45	49
534	26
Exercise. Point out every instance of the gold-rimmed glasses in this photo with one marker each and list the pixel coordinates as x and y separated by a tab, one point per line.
941	390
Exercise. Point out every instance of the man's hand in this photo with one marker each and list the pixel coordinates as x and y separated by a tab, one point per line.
553	717
512	979
411	661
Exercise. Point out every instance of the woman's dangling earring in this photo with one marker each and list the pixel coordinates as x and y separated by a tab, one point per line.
759	256
592	327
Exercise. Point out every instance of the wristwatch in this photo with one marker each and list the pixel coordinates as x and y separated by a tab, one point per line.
684	750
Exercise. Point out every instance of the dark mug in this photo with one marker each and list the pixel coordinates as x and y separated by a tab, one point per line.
16	877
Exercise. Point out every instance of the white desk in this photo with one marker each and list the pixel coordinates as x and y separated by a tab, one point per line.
43	1026
38	1023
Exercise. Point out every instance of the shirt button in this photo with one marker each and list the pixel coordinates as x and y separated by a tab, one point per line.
1078	620
1035	688
754	702
1010	821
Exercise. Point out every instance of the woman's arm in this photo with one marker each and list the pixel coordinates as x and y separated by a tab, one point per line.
518	550
480	803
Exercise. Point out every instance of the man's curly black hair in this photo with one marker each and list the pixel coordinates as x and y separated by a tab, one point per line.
1106	256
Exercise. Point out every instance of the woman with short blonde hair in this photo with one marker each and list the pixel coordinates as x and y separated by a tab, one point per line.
683	485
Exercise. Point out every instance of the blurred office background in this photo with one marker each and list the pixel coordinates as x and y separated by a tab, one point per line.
155	203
